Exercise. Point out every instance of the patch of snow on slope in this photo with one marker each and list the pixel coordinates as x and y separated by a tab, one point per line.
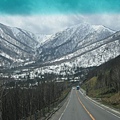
42	38
15	31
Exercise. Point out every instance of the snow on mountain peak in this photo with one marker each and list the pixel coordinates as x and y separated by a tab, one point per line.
71	39
101	27
63	45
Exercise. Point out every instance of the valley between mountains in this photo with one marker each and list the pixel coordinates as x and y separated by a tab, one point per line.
83	45
84	54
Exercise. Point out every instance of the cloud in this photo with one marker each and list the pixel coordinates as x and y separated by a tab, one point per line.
49	24
44	24
109	20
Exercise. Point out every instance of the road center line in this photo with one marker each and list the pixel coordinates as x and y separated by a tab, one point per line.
84	107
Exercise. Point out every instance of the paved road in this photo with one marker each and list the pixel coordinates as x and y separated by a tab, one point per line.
79	107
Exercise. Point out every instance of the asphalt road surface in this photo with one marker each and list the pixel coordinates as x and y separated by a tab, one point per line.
80	107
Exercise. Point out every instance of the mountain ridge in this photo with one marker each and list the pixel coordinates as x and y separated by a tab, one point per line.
72	39
16	45
71	47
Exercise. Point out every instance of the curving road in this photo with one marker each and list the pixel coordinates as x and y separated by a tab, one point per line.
81	107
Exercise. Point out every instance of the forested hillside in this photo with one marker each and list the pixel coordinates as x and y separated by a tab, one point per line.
104	82
30	99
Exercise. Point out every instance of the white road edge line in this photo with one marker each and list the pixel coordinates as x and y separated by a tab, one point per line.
113	114
66	106
98	105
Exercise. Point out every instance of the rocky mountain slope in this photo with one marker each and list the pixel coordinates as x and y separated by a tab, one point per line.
18	45
83	45
71	40
93	54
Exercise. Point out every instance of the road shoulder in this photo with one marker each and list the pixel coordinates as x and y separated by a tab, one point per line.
100	105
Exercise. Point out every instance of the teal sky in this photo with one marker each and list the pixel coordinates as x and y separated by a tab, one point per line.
30	7
51	16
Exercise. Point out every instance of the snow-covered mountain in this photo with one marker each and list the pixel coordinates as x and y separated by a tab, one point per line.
16	45
91	55
83	45
41	38
72	39
79	46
